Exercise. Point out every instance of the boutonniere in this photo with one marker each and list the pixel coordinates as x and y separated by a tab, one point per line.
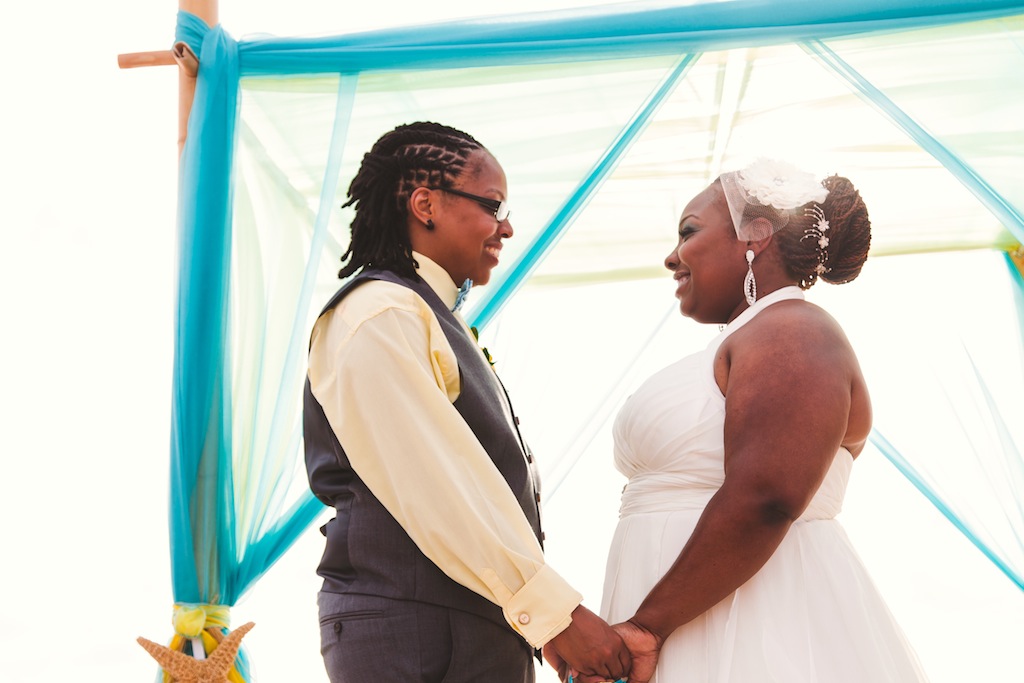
487	354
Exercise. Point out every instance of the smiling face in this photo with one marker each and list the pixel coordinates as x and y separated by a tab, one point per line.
708	261
467	238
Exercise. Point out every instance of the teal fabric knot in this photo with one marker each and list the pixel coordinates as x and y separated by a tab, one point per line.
191	30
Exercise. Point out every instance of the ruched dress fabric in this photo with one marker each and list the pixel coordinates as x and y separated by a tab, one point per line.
811	615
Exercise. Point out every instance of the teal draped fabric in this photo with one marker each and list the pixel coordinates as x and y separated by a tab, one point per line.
947	508
203	517
1002	209
610	32
994	464
1018	294
202	495
213	559
504	288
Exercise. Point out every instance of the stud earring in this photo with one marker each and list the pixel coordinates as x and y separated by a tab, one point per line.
430	224
749	284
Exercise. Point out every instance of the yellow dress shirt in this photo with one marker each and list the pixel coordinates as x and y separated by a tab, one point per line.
408	443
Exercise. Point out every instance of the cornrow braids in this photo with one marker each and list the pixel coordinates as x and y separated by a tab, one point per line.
410	156
848	235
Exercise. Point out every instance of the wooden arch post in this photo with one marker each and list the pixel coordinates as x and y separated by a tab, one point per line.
182	55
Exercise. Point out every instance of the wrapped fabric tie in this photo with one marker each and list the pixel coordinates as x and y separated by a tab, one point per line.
189	620
198	630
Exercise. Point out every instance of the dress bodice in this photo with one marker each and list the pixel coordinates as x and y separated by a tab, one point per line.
669	435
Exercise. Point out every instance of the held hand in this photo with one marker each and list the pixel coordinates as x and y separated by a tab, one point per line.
590	647
556	662
644	648
567	674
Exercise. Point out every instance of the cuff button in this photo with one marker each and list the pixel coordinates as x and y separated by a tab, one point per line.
524	619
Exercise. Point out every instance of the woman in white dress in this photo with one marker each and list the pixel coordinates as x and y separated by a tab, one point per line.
727	565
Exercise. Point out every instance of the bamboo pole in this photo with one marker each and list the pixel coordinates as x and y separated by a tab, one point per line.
133	60
182	55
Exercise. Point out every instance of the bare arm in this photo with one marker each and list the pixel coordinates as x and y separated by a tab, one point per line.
788	380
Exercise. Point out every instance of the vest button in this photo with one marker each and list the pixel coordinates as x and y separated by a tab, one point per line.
337	627
524	619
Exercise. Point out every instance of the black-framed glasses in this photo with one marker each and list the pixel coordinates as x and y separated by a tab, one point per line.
500	209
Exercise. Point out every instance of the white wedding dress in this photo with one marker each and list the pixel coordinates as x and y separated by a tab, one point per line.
810	615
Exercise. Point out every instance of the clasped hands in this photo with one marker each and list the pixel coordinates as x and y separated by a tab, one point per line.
592	651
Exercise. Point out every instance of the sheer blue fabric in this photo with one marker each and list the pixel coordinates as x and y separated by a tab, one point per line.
950	511
957	444
203	541
224	535
1018	294
512	280
608	32
1009	215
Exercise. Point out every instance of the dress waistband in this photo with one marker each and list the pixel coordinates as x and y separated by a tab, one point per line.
663	492
679	493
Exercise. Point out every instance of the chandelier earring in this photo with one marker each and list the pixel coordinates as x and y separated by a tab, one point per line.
749	283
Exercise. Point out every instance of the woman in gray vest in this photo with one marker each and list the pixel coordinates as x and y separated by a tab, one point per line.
433	568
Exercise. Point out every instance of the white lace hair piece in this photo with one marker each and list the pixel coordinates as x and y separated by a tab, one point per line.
768	189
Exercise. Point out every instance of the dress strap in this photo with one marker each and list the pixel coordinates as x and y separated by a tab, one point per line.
781	294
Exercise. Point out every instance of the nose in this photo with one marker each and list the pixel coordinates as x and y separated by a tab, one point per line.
505	228
672	260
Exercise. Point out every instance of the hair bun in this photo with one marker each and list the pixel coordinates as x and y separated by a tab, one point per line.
837	258
850	233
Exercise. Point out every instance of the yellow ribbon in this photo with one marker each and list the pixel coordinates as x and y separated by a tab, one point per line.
196	621
190	619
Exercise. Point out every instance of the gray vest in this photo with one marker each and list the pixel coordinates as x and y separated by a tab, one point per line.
368	552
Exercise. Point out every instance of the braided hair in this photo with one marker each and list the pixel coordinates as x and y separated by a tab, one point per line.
410	156
848	237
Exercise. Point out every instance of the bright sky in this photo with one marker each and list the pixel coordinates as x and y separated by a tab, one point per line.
87	273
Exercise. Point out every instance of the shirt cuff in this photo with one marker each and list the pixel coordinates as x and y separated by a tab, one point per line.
542	608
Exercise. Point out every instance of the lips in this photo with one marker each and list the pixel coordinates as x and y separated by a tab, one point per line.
493	251
682	278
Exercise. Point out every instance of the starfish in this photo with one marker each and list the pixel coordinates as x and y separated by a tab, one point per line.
184	668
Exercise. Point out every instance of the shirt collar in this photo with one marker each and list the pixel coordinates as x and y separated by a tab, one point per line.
438	279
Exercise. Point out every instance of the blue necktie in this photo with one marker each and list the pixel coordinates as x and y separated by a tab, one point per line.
463	291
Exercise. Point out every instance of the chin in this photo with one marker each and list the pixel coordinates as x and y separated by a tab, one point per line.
697	316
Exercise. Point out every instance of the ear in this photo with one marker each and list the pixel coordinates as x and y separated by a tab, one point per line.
760	225
421	207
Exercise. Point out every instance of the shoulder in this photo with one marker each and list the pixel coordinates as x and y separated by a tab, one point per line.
790	342
365	304
376	295
792	326
796	353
